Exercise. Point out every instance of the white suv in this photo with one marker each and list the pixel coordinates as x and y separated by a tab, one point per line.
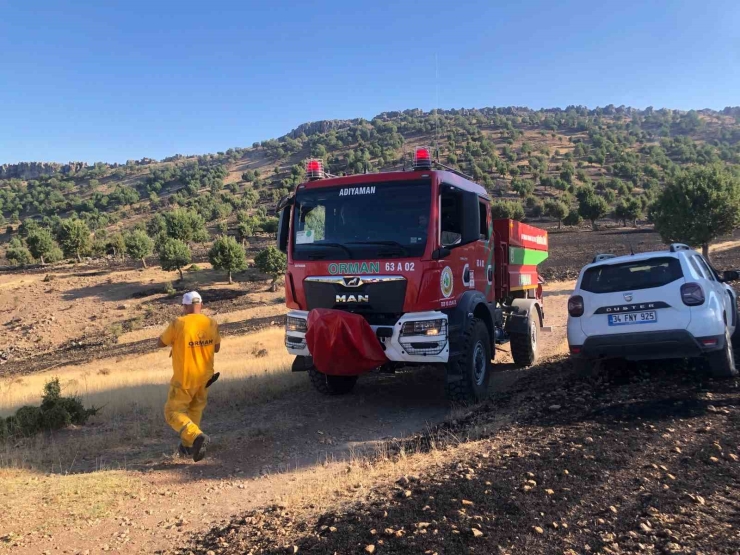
654	305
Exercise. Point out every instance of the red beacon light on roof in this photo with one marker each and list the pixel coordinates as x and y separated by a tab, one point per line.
314	170
422	159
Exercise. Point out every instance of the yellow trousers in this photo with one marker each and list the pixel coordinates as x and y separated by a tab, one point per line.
183	411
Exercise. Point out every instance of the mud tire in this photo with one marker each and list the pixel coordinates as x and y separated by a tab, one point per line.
524	346
331	385
474	365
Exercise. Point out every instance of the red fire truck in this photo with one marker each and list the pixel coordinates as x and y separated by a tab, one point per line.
406	268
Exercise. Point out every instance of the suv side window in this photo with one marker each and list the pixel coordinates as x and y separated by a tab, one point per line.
697	267
705	267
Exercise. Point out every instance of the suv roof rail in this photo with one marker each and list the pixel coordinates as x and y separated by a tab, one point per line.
603	256
675	247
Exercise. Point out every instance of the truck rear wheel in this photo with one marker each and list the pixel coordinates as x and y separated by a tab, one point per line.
473	366
331	385
524	345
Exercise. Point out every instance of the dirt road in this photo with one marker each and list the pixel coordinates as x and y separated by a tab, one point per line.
287	448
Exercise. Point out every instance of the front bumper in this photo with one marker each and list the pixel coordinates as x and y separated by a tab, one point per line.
417	348
647	345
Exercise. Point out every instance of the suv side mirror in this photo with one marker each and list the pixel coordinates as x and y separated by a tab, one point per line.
283	230
730	275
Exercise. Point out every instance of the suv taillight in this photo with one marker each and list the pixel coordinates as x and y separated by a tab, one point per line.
692	294
575	306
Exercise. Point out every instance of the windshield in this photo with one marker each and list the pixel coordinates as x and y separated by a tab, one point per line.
642	274
388	219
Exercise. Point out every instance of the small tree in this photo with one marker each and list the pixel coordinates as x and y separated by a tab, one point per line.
17	253
74	238
507	209
573	218
556	209
174	255
592	207
228	255
697	206
185	225
139	245
628	210
41	244
244	230
117	244
271	262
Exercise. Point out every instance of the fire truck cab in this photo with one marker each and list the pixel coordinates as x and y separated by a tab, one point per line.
406	268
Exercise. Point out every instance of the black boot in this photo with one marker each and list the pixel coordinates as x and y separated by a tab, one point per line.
199	447
184	451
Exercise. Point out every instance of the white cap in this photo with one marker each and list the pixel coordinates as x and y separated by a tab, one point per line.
192	297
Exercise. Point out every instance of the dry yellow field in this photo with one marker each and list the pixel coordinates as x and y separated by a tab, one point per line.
132	392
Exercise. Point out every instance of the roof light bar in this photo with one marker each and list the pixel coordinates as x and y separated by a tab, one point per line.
314	169
422	159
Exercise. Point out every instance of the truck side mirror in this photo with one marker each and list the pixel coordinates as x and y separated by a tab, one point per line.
283	230
730	275
440	253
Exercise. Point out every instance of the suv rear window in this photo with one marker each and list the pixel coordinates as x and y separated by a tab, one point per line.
641	274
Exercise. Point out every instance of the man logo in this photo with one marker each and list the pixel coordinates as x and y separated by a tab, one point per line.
352	299
352	281
628	297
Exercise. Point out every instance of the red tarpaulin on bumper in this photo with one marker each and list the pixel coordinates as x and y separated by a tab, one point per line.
342	343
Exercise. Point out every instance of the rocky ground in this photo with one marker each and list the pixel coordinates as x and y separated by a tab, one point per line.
622	460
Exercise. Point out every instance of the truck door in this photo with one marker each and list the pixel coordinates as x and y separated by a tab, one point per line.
460	232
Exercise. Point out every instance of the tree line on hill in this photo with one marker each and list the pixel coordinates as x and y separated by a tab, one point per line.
169	235
569	164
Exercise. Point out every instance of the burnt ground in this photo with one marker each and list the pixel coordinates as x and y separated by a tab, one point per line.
631	459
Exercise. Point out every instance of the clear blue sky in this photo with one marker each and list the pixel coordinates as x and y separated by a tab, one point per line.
109	80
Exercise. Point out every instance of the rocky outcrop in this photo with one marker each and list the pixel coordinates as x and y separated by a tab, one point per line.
323	126
34	170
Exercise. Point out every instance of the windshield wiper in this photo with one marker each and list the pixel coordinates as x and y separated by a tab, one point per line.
335	245
396	244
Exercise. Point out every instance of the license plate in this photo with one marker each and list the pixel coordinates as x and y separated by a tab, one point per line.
648	317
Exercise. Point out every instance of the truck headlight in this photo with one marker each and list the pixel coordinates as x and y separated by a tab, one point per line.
425	327
296	324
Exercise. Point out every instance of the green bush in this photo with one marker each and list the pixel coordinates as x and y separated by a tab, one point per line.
56	412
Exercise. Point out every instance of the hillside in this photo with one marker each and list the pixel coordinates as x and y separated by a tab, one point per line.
626	154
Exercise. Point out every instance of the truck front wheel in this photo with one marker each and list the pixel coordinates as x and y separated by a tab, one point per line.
331	385
472	369
524	345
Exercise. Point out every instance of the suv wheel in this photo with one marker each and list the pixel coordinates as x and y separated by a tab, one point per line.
331	385
721	364
473	365
524	345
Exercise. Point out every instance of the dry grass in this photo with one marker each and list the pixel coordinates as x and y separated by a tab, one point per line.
73	498
132	392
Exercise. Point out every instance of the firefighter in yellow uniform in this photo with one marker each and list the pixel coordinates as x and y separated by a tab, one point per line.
194	340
